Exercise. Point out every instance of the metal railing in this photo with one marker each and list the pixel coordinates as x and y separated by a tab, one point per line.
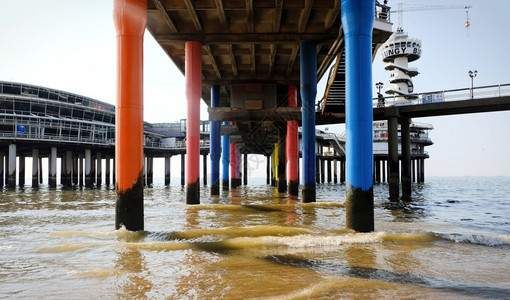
481	92
54	138
382	12
177	145
331	135
382	152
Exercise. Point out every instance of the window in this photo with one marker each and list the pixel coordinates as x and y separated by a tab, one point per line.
77	113
53	110
65	112
22	106
12	89
98	117
88	115
38	108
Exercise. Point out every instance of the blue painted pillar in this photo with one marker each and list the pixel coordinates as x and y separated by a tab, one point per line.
357	23
308	66
215	144
225	159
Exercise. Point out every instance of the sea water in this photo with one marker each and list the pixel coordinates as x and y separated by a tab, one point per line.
451	241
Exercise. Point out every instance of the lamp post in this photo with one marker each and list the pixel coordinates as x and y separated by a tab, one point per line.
472	74
379	86
380	98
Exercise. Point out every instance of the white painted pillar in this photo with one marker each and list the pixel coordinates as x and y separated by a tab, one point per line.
53	167
88	168
99	169
35	167
11	181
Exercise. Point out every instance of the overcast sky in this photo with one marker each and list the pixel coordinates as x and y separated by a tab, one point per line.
70	45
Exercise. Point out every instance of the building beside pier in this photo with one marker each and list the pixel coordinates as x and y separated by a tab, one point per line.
40	122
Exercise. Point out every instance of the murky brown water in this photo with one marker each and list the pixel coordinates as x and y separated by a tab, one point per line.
250	243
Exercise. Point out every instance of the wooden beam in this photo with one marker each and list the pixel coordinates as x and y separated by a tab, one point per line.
305	15
221	15
292	59
277	15
278	114
272	57
276	29
225	82
332	15
243	51
214	64
165	15
193	14
249	15
245	38
233	61
252	58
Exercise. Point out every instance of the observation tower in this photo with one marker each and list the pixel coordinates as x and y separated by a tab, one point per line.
397	52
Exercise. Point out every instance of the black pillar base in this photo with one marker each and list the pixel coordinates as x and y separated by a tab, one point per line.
235	182
359	209
225	185
88	180
282	186
394	189
215	188
52	182
35	181
129	207
406	189
193	193
11	182
308	193
293	188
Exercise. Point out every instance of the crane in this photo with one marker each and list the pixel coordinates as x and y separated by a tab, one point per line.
401	9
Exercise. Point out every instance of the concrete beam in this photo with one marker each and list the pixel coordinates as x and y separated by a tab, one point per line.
280	114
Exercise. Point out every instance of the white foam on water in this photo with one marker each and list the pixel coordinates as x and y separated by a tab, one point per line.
314	241
478	239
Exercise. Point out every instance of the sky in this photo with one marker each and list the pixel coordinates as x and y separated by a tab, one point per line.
70	45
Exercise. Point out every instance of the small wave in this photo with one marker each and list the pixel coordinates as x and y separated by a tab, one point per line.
86	234
478	239
313	241
309	241
265	207
70	247
414	237
130	236
252	231
98	273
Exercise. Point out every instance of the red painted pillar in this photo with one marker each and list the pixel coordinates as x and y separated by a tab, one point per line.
130	18
193	78
238	166
233	165
292	146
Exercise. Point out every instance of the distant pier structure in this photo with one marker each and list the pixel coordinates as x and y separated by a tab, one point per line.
78	131
397	52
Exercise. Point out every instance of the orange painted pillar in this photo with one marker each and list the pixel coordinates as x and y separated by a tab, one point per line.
193	78
292	146
130	18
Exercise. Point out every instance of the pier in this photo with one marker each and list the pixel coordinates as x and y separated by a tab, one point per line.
247	61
